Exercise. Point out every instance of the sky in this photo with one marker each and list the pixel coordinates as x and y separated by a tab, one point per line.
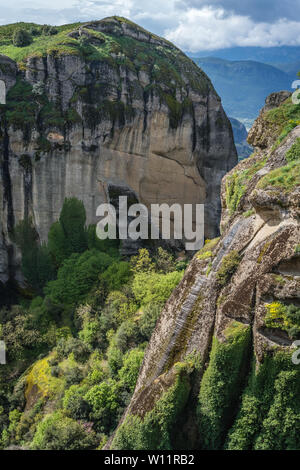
193	25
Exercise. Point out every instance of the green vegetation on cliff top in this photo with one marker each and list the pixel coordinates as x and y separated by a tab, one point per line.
166	66
285	118
287	177
40	45
159	57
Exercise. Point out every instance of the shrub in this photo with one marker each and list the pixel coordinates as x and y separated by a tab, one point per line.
228	267
114	358
104	401
58	432
21	38
22	338
164	261
111	247
75	404
73	375
142	263
154	287
205	255
284	317
37	264
249	213
48	30
68	235
129	372
126	335
76	277
34	31
207	250
67	346
117	275
89	333
14	419
270	407
156	429
72	220
25	235
221	385
119	306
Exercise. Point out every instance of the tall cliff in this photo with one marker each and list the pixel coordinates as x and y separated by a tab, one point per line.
101	106
218	371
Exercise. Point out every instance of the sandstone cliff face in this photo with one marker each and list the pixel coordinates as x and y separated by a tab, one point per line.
123	108
216	319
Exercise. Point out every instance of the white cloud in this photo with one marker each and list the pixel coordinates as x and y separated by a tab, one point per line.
213	28
190	24
101	8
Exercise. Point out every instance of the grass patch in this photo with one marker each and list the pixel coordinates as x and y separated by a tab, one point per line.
248	213
59	43
294	152
285	178
236	184
205	255
206	251
286	117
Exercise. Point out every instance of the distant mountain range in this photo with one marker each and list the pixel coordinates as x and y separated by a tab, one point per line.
240	135
243	85
267	55
292	69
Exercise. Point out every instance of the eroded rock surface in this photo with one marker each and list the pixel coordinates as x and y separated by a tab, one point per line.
222	304
125	108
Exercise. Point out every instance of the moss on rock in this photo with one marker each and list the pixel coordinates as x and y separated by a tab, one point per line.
222	384
155	430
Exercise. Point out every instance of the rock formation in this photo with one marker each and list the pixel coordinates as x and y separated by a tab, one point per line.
240	134
219	359
110	105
